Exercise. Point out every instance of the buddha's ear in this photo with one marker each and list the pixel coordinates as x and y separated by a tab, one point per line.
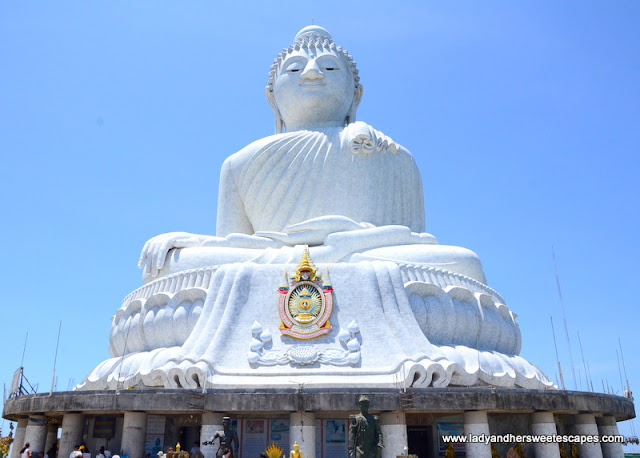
277	118
270	98
357	97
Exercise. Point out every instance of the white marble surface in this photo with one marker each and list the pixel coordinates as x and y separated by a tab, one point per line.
393	348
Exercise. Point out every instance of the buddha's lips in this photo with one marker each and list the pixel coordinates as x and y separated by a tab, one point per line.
313	85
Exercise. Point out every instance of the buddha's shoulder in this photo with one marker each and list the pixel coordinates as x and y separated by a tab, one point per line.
362	138
246	153
356	138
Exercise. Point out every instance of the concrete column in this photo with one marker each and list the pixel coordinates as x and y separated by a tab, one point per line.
52	436
543	424
18	439
36	433
586	424
302	429
134	431
72	426
394	433
476	423
211	422
608	426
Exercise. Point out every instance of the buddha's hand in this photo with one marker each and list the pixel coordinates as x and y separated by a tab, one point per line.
314	231
154	253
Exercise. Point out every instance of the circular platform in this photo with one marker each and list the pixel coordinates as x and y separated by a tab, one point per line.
248	401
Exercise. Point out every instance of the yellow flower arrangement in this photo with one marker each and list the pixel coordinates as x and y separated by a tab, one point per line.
5	442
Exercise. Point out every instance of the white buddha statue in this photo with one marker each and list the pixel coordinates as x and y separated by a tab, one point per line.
394	305
327	174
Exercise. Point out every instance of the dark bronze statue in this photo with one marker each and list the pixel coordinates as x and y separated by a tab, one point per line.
365	436
227	437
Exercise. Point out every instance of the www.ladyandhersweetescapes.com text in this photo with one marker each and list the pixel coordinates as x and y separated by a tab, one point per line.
533	439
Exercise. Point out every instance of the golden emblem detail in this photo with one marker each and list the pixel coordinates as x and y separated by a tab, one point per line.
305	303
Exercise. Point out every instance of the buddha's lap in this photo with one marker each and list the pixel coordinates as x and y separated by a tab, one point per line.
446	257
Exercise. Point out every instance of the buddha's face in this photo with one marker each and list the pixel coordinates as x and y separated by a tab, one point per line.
314	87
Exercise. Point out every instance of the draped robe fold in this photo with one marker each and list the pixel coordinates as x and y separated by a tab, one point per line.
293	177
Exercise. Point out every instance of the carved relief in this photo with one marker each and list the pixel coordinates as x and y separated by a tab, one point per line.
305	355
454	315
161	320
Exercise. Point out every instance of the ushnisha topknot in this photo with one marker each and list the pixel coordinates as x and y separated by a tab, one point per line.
312	36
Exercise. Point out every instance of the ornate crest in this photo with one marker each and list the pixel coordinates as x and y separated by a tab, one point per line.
305	301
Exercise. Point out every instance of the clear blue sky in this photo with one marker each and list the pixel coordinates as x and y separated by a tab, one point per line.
524	119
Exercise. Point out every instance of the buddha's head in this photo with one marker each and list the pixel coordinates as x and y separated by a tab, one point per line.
313	83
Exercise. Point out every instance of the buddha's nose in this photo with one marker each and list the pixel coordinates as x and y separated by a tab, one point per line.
312	71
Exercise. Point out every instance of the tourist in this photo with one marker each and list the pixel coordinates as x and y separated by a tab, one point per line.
101	453
53	451
25	452
76	453
195	450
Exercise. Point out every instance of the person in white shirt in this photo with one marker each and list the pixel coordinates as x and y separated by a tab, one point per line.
26	451
76	452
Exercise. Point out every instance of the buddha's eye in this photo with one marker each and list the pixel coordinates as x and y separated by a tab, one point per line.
294	67
328	63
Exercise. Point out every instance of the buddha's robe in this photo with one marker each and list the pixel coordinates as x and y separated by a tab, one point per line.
355	173
288	178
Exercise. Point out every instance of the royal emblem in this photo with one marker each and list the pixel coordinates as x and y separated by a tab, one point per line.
305	301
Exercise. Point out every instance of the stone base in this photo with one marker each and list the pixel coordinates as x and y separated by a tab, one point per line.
228	326
414	418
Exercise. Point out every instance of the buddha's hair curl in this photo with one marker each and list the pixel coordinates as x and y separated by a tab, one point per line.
312	40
